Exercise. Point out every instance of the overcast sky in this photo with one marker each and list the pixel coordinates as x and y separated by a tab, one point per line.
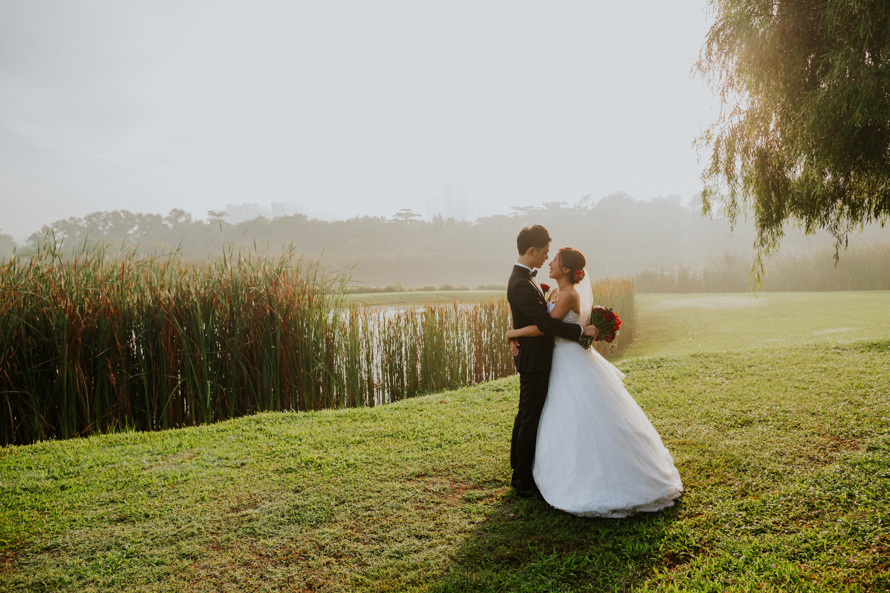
345	107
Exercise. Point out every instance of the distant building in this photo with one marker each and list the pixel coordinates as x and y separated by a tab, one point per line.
286	209
241	212
248	211
454	202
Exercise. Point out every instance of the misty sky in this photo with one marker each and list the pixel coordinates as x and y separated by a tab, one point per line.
346	107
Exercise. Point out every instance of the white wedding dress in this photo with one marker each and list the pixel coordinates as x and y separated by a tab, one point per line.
597	454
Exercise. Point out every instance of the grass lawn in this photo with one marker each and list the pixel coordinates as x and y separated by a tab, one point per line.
695	323
784	451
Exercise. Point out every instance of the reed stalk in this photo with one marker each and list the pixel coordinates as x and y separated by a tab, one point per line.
618	294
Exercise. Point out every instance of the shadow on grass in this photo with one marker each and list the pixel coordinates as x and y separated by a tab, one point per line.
525	545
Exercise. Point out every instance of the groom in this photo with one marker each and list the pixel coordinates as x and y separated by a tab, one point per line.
532	356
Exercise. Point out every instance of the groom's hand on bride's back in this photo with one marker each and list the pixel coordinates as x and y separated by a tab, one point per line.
591	331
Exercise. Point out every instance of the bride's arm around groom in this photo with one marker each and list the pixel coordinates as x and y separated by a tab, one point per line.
568	301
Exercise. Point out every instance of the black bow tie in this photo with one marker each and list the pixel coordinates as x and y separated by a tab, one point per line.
534	273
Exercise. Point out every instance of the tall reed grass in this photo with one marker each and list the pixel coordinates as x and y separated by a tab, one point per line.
93	341
618	294
408	351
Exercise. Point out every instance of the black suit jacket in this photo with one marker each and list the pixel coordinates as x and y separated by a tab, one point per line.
528	307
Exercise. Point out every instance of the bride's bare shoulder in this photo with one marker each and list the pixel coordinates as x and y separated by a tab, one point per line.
569	292
567	299
572	299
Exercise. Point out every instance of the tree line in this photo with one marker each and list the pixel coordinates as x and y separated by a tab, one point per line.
620	236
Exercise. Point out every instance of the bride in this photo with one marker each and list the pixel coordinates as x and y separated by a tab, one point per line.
597	454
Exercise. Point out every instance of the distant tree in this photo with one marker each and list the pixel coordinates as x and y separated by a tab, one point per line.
215	217
523	211
804	133
406	215
177	217
7	246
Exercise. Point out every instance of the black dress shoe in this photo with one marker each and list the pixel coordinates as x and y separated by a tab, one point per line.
532	493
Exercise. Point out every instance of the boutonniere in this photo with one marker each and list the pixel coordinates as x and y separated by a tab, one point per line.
545	288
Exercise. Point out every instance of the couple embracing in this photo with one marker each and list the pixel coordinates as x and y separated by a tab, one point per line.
580	441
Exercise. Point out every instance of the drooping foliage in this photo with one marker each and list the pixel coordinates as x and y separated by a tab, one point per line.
804	131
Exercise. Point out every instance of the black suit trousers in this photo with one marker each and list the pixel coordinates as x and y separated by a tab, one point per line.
533	363
532	395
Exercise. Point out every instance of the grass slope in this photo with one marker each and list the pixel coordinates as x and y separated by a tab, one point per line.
784	452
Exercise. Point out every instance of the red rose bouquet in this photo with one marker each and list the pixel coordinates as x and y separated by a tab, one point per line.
607	324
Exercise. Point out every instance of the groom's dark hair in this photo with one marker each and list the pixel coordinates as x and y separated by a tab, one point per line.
532	236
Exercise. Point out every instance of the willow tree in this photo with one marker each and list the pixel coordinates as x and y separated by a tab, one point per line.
803	135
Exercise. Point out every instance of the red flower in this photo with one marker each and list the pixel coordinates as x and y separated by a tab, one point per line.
545	287
607	322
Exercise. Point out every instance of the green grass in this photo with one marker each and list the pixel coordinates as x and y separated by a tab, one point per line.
784	453
694	323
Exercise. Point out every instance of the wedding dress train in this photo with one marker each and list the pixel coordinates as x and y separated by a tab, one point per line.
597	453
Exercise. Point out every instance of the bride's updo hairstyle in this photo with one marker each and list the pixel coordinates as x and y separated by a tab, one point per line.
573	260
